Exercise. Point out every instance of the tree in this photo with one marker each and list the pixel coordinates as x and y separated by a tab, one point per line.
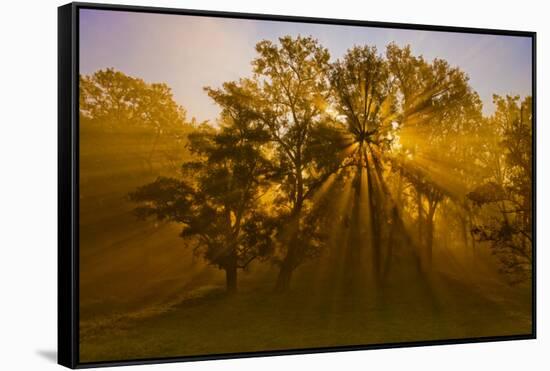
293	78
217	198
287	96
435	103
364	99
116	109
504	201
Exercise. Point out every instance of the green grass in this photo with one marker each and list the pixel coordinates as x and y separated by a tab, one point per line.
209	322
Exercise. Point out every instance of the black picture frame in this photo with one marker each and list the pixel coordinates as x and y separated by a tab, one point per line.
68	180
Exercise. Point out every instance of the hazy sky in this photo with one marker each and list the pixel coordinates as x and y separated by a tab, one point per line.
190	52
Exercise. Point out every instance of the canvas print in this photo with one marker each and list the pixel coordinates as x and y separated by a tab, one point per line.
253	185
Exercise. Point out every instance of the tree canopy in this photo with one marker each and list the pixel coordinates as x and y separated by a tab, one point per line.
403	136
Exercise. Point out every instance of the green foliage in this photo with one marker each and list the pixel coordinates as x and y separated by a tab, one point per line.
363	93
216	198
504	202
414	126
286	99
293	89
123	111
166	198
487	193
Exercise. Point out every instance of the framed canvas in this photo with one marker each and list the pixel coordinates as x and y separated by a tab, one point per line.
236	185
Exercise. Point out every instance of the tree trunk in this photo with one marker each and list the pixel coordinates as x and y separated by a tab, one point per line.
285	276
375	229
430	233
391	236
231	278
290	261
420	212
472	240
353	255
429	242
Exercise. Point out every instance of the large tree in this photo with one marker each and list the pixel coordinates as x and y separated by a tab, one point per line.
217	198
364	105
435	101
131	131
123	114
504	201
287	97
293	78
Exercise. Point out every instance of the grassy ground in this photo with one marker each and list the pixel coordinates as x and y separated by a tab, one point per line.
254	319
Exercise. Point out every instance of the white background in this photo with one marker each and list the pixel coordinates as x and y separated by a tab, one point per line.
28	181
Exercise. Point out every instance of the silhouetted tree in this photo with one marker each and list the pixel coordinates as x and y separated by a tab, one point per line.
364	100
505	199
217	198
287	97
293	89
